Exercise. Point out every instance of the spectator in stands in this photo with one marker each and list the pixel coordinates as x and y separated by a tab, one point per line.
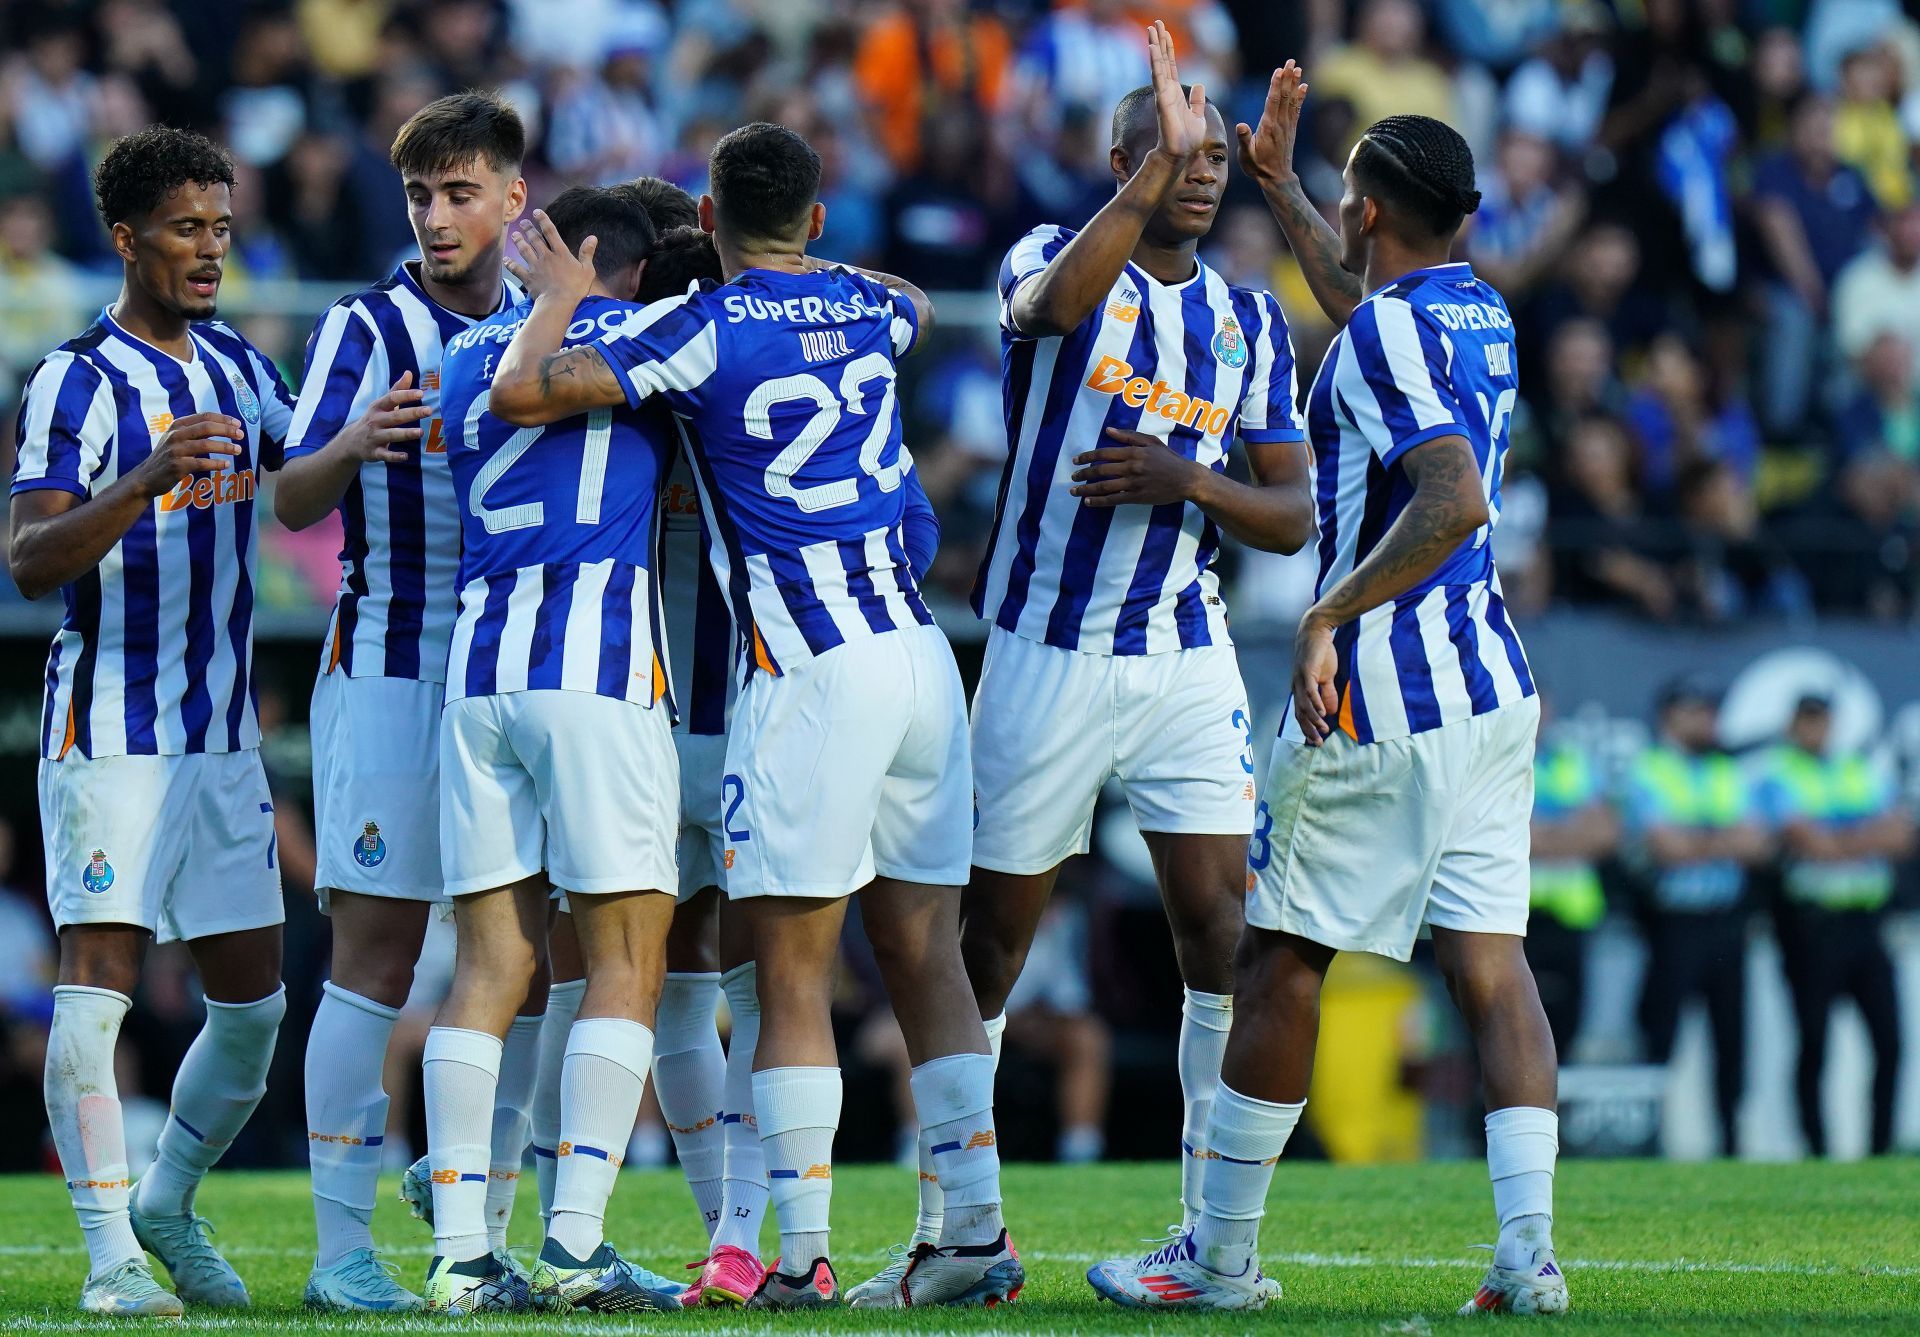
1085	55
1815	214
1879	290
604	127
925	60
1574	829
1383	71
1733	569
1607	540
1560	92
1524	225
40	286
1779	81
1680	418
1602	280
945	229
1694	828
1866	130
1065	178
1841	826
1870	562
268	101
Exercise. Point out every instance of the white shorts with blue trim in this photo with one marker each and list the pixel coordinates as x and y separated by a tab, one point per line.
1051	726
376	786
1357	846
850	766
182	845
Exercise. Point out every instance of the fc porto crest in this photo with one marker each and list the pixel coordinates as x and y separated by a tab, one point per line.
1229	345
249	403
97	876
370	849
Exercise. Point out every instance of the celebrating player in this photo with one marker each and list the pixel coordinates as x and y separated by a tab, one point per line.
1130	367
368	441
1401	786
846	756
557	760
133	494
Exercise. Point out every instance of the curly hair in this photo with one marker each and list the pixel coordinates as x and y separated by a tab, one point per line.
1422	167
680	258
145	168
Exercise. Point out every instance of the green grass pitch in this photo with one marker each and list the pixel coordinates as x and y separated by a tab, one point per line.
1647	1247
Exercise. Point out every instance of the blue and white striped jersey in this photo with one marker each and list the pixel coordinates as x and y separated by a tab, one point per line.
784	384
1193	363
1427	356
401	550
558	529
155	655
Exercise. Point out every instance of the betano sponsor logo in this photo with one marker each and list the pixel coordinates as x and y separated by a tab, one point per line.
223	487
1113	376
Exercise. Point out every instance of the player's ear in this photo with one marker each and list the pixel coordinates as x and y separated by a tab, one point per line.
123	242
516	197
1122	166
706	214
1369	214
816	221
631	279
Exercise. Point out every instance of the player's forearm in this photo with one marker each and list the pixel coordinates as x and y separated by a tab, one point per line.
1070	289
1272	518
310	487
540	382
1316	246
49	552
922	305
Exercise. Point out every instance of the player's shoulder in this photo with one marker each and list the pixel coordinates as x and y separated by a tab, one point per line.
79	360
1447	297
228	340
1041	242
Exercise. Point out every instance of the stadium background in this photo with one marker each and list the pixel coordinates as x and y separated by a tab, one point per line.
1703	214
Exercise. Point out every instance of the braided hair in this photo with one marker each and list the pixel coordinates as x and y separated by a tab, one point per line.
1420	166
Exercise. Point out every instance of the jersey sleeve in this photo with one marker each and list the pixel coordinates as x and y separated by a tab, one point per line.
1030	256
1269	411
920	527
670	347
66	427
904	329
346	371
1404	361
277	404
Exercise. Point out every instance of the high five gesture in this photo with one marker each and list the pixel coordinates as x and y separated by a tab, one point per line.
1182	116
1266	155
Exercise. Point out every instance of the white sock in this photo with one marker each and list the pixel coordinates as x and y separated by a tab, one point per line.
690	1078
220	1081
996	1033
346	1117
1522	1143
604	1077
932	1218
1205	1019
83	1106
563	1005
743	1198
954	1098
1245	1138
512	1129
799	1113
458	1072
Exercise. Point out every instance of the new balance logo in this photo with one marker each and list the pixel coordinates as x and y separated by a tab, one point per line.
978	1140
817	1172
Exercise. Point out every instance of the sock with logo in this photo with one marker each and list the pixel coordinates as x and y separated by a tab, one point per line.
1205	1019
799	1112
563	1005
931	1220
83	1108
219	1083
744	1188
1523	1142
1244	1138
954	1097
690	1077
458	1072
346	1117
512	1128
604	1078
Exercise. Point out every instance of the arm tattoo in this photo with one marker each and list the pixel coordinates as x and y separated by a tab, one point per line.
582	370
1447	506
1315	244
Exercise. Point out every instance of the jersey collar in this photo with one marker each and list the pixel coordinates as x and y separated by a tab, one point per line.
403	273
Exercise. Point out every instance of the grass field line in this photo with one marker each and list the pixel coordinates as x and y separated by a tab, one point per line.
1306	1258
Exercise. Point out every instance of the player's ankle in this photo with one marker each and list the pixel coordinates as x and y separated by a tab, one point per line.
1223	1245
1522	1238
967	1226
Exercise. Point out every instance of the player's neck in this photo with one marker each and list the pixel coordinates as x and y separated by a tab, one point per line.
478	294
146	320
1388	260
1167	262
736	261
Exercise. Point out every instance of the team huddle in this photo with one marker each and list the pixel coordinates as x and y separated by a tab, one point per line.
631	673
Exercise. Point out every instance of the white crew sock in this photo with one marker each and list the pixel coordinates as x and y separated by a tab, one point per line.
563	1005
1522	1143
931	1221
346	1117
83	1106
1245	1138
690	1078
954	1099
512	1096
744	1187
1205	1019
799	1112
601	1086
220	1081
458	1072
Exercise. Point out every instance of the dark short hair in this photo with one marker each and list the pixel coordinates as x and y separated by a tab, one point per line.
680	258
665	203
454	130
1421	169
1134	112
765	179
626	233
146	167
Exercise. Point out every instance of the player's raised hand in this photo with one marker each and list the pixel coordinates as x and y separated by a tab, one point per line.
1141	471
547	267
1183	117
389	421
1266	150
1315	702
200	443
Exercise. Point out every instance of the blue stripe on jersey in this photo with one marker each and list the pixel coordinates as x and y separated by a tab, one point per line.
1365	339
853	559
616	622
483	656
714	650
406	508
809	615
713	511
1466	640
1410	660
1516	656
546	655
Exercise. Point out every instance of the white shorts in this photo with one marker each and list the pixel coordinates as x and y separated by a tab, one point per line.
376	786
179	845
581	785
1051	726
1356	846
703	763
847	767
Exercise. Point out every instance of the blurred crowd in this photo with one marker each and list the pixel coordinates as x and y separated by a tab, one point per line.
1702	211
